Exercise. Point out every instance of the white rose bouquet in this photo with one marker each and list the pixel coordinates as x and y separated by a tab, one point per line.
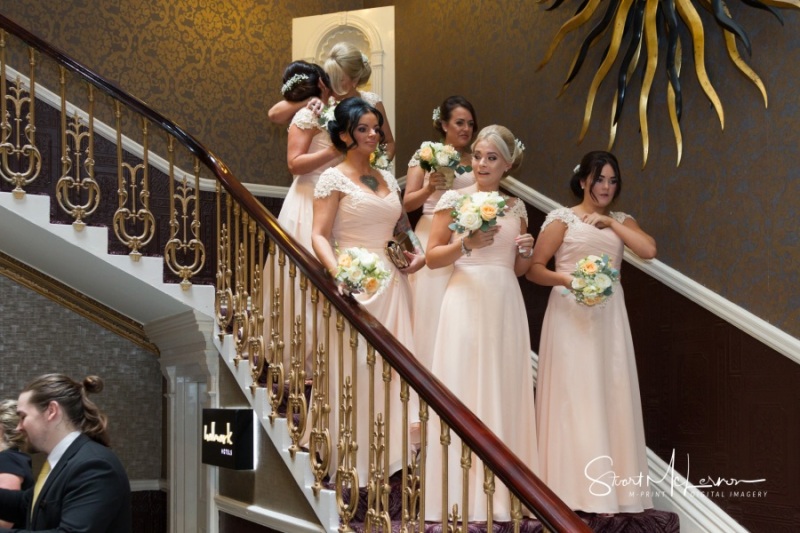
593	280
361	271
379	158
477	211
326	114
433	156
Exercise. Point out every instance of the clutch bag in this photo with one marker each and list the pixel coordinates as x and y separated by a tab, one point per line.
395	247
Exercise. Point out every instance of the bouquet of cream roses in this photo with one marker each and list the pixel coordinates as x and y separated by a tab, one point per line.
477	211
433	156
361	271
593	280
379	158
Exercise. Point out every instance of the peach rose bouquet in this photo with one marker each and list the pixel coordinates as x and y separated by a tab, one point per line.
434	156
477	211
593	280
360	270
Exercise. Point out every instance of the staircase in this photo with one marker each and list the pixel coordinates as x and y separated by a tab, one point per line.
197	327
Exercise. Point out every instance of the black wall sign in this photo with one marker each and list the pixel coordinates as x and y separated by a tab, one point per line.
228	438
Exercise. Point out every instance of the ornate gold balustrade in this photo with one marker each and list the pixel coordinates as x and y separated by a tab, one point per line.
351	395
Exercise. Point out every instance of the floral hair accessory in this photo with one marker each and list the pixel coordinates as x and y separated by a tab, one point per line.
519	145
364	59
437	114
576	169
291	82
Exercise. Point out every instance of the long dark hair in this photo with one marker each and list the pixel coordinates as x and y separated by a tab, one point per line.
73	398
346	116
591	166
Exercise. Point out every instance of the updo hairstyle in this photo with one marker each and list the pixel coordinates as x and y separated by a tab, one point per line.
591	166
301	81
510	149
343	60
345	120
446	111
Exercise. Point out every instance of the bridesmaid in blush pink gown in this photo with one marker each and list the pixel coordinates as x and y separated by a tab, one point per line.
356	205
588	409
455	120
482	349
309	152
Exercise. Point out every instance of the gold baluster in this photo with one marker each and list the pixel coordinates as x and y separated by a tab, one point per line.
444	441
71	189
320	447
466	465
404	476
488	488
347	473
423	456
378	488
127	218
223	301
257	350
275	372
516	513
189	224
23	145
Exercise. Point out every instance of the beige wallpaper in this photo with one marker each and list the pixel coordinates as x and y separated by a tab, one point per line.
726	217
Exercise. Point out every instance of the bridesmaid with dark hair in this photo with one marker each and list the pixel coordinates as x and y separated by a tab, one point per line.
356	205
588	409
456	122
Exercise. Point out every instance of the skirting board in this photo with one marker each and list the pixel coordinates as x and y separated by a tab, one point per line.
266	517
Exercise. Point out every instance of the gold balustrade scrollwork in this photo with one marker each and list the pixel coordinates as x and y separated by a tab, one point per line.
320	441
276	372
347	447
77	191
223	301
134	222
184	224
243	305
20	159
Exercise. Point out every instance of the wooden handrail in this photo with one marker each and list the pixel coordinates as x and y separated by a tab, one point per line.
519	479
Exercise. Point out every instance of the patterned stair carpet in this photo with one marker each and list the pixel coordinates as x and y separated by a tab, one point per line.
650	521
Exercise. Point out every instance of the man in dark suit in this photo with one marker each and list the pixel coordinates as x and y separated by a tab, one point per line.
82	486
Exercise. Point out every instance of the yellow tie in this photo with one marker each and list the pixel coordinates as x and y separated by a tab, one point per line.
38	486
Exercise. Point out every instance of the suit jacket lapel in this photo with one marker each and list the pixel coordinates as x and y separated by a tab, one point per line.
56	472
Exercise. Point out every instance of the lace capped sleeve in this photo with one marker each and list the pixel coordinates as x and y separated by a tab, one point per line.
562	214
620	217
447	201
333	180
517	209
305	119
371	98
390	180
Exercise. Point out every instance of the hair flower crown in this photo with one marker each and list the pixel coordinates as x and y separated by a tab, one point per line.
364	59
437	114
291	82
576	169
519	145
